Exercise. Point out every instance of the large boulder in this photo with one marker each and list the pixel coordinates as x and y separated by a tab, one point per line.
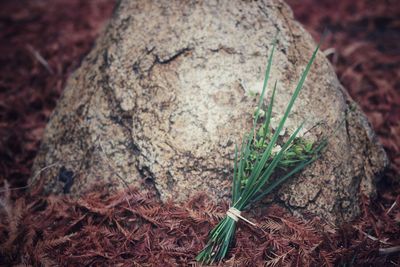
168	90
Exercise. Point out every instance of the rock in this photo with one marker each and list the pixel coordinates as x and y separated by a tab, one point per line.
166	93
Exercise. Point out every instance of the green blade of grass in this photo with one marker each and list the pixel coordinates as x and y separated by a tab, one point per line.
266	79
280	180
242	159
269	113
236	178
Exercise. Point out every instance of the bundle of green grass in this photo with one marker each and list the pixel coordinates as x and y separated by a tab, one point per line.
263	163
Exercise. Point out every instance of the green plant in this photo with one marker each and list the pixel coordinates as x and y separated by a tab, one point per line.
264	162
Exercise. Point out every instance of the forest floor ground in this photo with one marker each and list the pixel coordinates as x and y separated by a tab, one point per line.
42	42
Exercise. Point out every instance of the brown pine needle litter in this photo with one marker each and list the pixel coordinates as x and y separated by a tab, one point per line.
129	228
37	230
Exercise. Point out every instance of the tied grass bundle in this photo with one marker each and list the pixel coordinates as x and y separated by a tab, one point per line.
259	167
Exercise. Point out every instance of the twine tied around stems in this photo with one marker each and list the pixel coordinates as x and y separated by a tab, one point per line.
234	214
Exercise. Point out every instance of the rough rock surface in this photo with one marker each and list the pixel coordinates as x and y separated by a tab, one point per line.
167	91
